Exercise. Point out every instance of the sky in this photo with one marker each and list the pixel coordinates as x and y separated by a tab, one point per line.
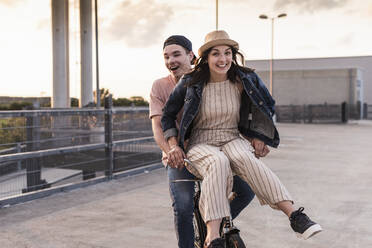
132	32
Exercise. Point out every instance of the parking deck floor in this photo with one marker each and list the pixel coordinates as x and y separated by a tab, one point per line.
327	169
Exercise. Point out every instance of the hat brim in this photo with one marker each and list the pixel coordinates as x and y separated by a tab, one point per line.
219	42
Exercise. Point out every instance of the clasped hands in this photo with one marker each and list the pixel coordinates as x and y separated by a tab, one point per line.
175	157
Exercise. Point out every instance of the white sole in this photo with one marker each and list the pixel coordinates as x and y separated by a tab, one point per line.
311	231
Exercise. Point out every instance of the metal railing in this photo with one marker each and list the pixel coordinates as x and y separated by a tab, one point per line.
368	112
320	113
51	147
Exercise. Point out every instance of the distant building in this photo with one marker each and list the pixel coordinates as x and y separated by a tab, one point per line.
318	80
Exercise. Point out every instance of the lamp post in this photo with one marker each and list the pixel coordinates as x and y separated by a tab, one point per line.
98	92
216	14
272	46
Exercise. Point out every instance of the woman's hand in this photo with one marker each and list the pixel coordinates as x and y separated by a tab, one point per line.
175	157
260	149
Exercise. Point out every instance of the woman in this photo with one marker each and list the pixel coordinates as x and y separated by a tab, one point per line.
227	110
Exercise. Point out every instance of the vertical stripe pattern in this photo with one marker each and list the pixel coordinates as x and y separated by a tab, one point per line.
217	151
218	117
213	167
263	181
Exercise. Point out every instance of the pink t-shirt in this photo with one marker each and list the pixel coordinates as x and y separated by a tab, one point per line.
160	91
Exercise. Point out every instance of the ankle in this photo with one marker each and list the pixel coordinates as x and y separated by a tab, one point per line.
286	207
210	237
213	228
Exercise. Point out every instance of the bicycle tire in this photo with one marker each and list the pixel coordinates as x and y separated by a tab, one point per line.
234	241
200	229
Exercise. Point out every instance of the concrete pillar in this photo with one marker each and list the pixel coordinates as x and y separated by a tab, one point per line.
351	87
86	95
61	83
359	91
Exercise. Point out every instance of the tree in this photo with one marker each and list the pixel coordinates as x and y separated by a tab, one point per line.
103	93
16	106
121	102
74	102
138	101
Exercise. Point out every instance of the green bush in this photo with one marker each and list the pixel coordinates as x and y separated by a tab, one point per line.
132	101
15	106
74	102
10	134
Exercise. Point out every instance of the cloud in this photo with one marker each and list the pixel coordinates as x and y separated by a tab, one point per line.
43	24
10	3
369	11
360	9
346	40
310	5
139	24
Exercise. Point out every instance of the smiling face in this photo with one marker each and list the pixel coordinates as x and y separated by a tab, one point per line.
177	60
219	62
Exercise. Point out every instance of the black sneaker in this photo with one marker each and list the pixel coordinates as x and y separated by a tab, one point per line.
217	243
302	225
230	234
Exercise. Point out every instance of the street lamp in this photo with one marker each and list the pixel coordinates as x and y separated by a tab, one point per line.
272	46
216	14
98	92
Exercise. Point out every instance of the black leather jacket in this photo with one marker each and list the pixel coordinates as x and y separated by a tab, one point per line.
256	111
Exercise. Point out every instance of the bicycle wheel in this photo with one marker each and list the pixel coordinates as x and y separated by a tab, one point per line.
200	229
234	241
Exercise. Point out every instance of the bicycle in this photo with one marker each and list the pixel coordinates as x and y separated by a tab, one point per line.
228	231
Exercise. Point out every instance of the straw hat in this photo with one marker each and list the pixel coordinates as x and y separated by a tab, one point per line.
216	38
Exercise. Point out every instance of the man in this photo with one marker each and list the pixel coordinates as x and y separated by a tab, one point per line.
178	57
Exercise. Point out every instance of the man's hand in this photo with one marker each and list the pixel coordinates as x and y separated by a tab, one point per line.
260	149
175	157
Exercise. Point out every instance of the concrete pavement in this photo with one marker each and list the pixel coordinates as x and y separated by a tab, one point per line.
327	169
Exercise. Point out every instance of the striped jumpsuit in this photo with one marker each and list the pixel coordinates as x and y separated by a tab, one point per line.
217	151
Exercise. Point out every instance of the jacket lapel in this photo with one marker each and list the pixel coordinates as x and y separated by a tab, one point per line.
198	89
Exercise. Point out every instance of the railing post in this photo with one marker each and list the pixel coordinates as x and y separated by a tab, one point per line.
109	137
33	165
304	113
293	113
344	112
365	111
359	110
19	162
310	111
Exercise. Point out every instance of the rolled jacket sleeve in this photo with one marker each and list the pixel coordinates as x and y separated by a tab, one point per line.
172	132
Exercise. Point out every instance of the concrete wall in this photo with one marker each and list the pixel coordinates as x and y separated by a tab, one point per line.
364	63
300	87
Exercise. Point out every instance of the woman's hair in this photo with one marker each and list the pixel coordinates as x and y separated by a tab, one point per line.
201	73
193	60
